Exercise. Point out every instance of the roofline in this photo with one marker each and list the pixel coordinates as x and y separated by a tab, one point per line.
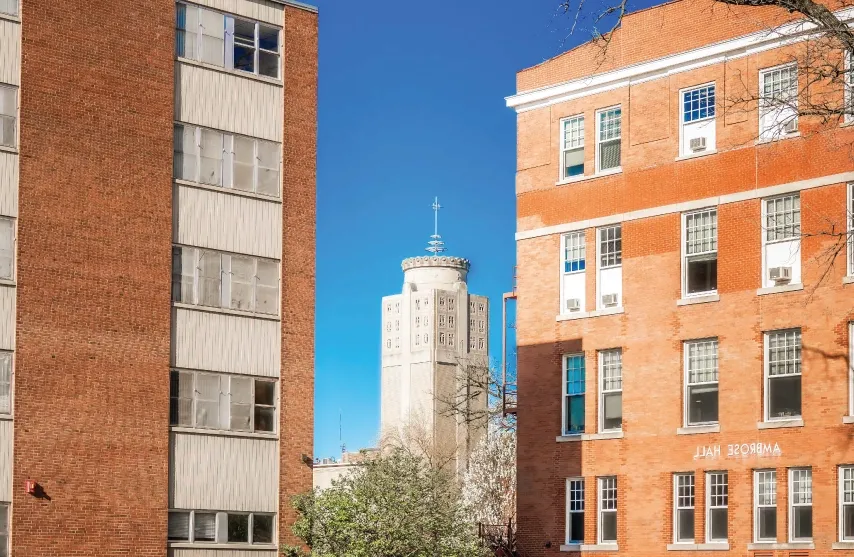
299	5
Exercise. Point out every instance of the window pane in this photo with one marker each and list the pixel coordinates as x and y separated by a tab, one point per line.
213	38
783	218
609	154
265	393
702	404
268	64
611	246
575	414
187	25
242	279
268	38
576	527
179	525
784	396
575	375
8	115
241	403
238	528
268	167
575	252
768	523
802	527
5	382
211	158
718	529
848	522
262	528
613	413
185	153
609	527
244	45
210	279
181	398
204	527
702	275
784	352
698	104
573	163
244	163
265	418
207	400
685	520
183	274
267	287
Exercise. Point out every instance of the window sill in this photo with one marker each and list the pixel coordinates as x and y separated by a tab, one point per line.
699	300
848	280
224	433
569	438
696	155
7	282
585	177
699	429
779	289
229	191
254	77
5	149
842	545
778	424
773	545
570	547
226	311
235	546
10	17
848	420
6	417
600	547
715	546
594	313
602	436
778	138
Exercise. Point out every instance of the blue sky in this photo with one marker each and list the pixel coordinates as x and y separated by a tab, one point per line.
411	105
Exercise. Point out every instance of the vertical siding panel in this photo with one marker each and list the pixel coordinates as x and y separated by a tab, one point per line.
10	52
220	553
9	184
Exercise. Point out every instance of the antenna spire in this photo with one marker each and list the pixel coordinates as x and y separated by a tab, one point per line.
436	245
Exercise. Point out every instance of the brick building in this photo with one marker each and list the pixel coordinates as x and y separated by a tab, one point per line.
689	389
156	274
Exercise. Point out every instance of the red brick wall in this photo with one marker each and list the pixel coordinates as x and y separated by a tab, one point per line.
91	402
298	260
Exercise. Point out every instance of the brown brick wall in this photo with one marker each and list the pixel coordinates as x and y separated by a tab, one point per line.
91	402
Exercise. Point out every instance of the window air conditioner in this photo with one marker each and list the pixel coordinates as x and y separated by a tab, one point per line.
697	144
780	274
573	304
609	300
791	126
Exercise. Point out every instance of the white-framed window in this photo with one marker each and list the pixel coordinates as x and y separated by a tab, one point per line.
778	101
606	527
765	505
9	7
225	527
781	240
717	505
573	397
683	508
7	248
609	248
573	277
701	382
608	139
223	402
611	389
229	42
783	374
851	368
4	529
700	267
850	229
5	382
8	114
698	119
575	511
848	97
205	277
572	147
227	160
846	503
800	504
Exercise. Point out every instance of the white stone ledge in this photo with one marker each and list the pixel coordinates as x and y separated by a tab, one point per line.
585	177
5	149
10	17
777	138
779	289
570	547
848	419
848	280
842	545
600	547
589	436
759	546
594	313
778	424
715	546
698	300
699	429
696	155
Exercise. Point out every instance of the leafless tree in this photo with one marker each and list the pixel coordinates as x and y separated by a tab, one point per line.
474	382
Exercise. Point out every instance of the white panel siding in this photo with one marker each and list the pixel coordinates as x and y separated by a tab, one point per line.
7	317
228	102
6	460
10	52
8	184
229	343
260	10
223	473
211	219
225	552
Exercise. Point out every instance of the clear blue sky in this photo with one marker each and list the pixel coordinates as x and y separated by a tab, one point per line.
411	105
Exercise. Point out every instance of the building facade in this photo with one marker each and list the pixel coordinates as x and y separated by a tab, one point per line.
157	282
691	388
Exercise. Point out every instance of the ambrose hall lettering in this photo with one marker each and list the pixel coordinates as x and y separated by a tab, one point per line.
737	450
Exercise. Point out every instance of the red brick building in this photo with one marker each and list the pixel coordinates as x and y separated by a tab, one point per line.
683	337
156	275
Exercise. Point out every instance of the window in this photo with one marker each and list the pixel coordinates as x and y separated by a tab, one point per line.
783	218
224	402
573	146
782	240
574	252
683	491
210	278
701	253
575	511
609	130
7	248
717	502
778	102
765	502
233	43
611	386
9	7
227	160
698	120
701	382
221	527
607	526
4	529
783	374
846	503
851	229
5	382
698	104
611	246
800	504
573	277
610	275
8	114
573	407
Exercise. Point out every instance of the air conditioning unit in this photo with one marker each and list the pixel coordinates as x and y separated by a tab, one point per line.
573	304
780	274
609	300
697	144
791	126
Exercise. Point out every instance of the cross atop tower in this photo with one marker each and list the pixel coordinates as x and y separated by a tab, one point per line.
436	245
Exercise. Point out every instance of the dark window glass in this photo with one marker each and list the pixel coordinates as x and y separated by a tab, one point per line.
262	528
685	520
238	528
718	528
265	418
802	526
576	527
784	396
609	527
702	276
613	414
702	404
768	523
265	392
575	414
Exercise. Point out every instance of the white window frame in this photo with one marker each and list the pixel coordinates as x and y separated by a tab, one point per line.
710	507
767	375
5	528
780	133
569	511
757	474
842	503
9	252
566	397
792	505
850	240
221	527
564	149
602	392
678	506
848	81
686	419
618	168
765	229
704	256
15	117
851	368
10	355
564	246
683	123
600	488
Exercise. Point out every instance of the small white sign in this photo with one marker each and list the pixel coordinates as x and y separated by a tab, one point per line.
737	450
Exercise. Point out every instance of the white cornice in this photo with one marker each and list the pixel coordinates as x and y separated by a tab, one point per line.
668	65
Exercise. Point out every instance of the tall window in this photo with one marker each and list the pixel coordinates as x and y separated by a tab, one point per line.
783	374
698	119
683	491
5	382
608	138
701	389
717	503
782	240
4	529
611	387
575	511
573	285
778	102
610	273
221	527
573	408
701	252
7	248
8	115
573	146
765	503
851	229
800	504
9	7
846	503
607	524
